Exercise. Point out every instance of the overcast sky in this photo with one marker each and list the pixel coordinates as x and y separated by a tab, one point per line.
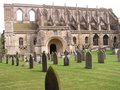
114	4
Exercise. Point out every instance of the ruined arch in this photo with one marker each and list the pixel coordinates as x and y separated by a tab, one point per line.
19	14
105	39
95	39
32	15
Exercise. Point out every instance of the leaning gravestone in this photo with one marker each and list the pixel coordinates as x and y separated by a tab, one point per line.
7	59
78	57
12	60
48	55
35	57
88	62
17	59
44	62
52	81
55	58
66	61
30	62
101	56
118	55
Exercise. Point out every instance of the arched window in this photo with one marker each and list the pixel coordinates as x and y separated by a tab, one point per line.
35	41
74	40
115	39
86	40
105	40
32	15
20	41
95	39
19	15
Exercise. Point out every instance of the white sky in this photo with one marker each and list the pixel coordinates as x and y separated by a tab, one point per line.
114	4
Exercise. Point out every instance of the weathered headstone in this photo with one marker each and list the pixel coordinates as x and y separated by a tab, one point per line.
88	61
12	60
17	59
48	55
35	57
66	61
55	58
44	62
78	57
101	56
30	62
52	81
118	55
7	59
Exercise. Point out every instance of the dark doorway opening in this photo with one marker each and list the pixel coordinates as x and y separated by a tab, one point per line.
52	48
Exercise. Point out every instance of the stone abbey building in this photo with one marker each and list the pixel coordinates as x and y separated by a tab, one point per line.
35	28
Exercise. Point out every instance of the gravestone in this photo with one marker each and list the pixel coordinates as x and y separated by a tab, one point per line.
30	62
88	61
118	55
12	60
52	81
0	58
7	59
17	59
35	57
55	58
44	62
66	61
78	57
48	55
101	56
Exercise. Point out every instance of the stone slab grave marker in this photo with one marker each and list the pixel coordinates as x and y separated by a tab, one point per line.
44	62
118	55
78	57
30	62
12	59
88	62
52	81
55	58
66	59
17	59
101	56
7	57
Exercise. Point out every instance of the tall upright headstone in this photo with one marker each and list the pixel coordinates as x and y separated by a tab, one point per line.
17	59
35	57
118	55
78	57
88	61
30	62
44	62
66	59
12	59
101	56
55	58
7	59
52	81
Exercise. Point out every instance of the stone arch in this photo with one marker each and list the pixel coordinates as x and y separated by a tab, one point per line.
19	14
56	39
74	40
32	15
86	40
115	39
95	39
105	40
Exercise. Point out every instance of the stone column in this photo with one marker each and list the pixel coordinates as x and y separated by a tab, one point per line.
100	41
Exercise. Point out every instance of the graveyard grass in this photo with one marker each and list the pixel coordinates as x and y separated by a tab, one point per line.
74	77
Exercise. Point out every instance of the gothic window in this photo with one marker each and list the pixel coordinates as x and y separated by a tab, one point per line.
95	39
19	15
115	39
86	40
20	41
32	15
105	40
74	40
35	41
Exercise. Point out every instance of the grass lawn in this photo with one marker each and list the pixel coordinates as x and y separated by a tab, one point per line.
74	77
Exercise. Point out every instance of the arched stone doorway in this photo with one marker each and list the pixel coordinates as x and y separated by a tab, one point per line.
55	45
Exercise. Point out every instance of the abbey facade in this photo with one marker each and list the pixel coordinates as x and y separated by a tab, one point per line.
35	28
